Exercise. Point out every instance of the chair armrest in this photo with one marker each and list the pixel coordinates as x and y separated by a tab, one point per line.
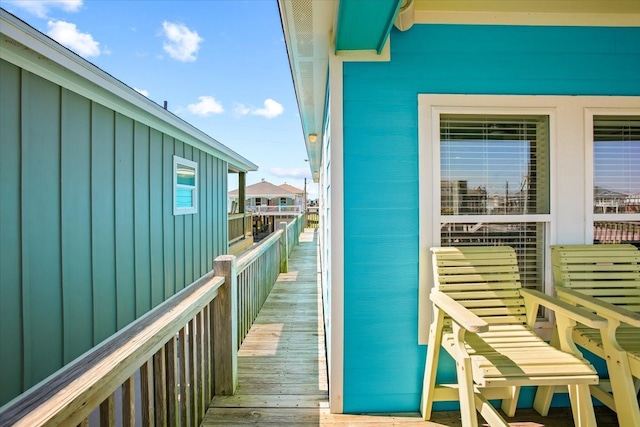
458	313
561	307
603	308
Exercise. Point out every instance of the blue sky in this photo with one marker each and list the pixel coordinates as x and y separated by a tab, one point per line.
220	64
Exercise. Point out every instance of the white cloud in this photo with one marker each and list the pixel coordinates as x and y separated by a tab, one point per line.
181	43
295	173
142	91
207	105
271	109
40	8
241	110
68	35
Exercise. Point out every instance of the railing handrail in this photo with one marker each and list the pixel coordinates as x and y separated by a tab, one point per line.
69	395
252	254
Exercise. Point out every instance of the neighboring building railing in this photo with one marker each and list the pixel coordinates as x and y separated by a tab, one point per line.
276	210
165	367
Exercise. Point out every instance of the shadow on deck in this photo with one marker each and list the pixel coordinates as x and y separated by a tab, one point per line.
282	373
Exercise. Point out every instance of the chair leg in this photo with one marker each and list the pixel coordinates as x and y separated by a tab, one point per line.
465	381
582	406
431	365
622	386
544	394
509	405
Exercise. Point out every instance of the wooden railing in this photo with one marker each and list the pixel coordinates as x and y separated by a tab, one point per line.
164	368
258	269
240	226
160	367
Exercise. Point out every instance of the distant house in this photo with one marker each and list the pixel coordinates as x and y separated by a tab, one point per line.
432	123
264	193
299	200
109	205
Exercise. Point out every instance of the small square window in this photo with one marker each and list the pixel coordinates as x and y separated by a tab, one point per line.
185	186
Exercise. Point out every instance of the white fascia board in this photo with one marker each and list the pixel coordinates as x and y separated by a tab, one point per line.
33	51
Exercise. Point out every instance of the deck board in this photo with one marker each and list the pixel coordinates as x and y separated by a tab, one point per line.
282	373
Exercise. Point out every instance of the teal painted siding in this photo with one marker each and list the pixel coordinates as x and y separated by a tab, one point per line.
89	240
383	364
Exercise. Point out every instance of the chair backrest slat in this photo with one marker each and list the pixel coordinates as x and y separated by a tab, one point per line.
608	272
483	279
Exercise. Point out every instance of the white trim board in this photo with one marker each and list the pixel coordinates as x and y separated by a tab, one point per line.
571	163
336	375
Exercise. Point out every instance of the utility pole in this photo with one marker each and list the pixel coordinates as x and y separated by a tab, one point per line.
305	203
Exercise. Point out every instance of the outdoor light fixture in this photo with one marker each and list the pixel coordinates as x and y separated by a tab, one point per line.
313	137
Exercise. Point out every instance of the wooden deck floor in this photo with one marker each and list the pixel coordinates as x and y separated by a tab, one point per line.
282	366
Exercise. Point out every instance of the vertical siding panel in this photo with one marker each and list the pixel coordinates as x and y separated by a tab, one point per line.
103	221
42	299
155	218
179	229
216	230
10	226
196	220
188	233
210	230
141	218
125	253
204	213
168	220
77	296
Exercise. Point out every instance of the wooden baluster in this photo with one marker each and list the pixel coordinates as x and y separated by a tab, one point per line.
107	412
183	356
201	363
160	387
146	392
171	356
129	402
206	332
193	384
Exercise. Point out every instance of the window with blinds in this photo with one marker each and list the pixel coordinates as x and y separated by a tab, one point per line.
616	166
185	186
496	169
616	183
494	165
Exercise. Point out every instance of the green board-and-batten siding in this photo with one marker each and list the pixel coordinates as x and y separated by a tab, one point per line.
89	241
383	363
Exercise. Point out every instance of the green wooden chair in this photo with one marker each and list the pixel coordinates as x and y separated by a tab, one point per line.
606	280
484	319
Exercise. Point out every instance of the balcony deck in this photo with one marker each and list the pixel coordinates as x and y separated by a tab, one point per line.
282	372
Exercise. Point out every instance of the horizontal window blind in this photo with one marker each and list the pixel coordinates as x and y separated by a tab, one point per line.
527	238
494	165
616	155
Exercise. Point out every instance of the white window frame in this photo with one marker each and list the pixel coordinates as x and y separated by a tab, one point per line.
194	188
590	168
571	172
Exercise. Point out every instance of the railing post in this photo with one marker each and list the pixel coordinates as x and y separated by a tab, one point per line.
225	328
284	250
